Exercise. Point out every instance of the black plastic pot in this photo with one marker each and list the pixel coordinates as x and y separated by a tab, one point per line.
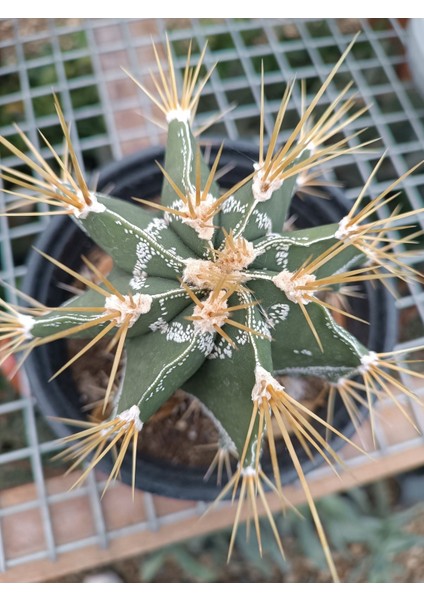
139	176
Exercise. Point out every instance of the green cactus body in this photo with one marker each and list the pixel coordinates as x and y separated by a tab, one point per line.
164	300
291	250
137	241
212	355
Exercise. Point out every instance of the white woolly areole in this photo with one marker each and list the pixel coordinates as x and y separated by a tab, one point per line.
207	317
136	305
290	286
310	147
94	207
263	381
346	230
200	272
27	323
237	255
179	114
302	178
249	471
201	223
232	260
263	188
367	361
132	415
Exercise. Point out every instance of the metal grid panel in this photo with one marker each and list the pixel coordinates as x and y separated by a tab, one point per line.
82	60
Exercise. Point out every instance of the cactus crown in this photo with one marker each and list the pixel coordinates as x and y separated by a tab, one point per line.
212	295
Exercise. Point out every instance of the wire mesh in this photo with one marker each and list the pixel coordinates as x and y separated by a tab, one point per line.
82	60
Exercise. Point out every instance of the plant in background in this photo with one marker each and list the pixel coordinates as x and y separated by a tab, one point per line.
364	527
211	295
365	522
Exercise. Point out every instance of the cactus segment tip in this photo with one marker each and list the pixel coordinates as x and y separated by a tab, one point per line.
96	440
228	268
251	484
175	105
67	191
379	378
311	144
127	308
15	331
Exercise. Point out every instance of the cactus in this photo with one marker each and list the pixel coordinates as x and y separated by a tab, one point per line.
212	295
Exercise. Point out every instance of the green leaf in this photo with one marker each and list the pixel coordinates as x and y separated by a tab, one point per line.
247	546
192	566
151	565
309	543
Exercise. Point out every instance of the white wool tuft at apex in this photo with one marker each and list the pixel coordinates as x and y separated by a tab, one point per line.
292	286
262	188
367	361
200	272
136	305
249	471
263	381
346	229
179	114
202	223
94	207
132	415
27	323
211	314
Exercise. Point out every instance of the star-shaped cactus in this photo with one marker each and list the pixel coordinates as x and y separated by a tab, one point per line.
210	294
